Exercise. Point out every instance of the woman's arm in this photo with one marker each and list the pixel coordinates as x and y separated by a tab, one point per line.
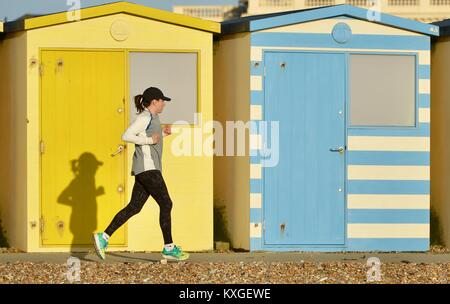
138	126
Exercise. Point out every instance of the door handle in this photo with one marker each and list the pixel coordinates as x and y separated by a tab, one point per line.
118	151
339	149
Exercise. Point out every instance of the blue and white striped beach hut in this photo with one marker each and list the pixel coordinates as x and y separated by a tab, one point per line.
350	91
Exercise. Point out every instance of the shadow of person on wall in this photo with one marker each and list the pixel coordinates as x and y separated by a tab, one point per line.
81	195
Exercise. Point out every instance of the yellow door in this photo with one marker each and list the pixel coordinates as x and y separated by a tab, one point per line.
83	117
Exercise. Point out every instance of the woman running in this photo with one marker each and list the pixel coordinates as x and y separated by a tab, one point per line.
146	133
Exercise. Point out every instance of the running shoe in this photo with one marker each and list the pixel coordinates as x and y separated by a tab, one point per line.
175	254
100	245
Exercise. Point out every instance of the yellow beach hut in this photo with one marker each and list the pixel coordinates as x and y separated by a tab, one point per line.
440	149
67	86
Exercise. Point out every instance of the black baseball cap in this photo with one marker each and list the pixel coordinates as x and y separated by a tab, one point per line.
154	93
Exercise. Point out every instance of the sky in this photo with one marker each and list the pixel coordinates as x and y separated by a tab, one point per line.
13	9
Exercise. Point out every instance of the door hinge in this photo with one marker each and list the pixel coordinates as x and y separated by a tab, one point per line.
41	224
123	100
264	73
42	147
41	69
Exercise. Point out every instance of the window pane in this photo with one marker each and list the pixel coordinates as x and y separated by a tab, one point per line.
382	90
175	74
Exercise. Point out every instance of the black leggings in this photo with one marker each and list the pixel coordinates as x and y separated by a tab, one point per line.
147	183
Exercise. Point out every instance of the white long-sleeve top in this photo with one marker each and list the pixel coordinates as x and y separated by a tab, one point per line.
147	155
137	131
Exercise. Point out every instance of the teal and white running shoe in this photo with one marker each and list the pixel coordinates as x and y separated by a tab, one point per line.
100	245
175	254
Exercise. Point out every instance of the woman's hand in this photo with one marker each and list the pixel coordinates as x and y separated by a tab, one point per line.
155	138
167	130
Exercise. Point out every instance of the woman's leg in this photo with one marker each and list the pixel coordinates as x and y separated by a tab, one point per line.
154	185
138	198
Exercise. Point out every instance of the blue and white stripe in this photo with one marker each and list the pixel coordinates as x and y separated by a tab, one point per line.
388	184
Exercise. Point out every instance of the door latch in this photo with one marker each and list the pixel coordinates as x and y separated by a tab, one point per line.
118	151
339	149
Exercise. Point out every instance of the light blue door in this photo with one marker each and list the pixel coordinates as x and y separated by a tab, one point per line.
304	195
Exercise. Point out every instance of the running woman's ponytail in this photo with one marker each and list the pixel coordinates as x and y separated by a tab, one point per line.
140	103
